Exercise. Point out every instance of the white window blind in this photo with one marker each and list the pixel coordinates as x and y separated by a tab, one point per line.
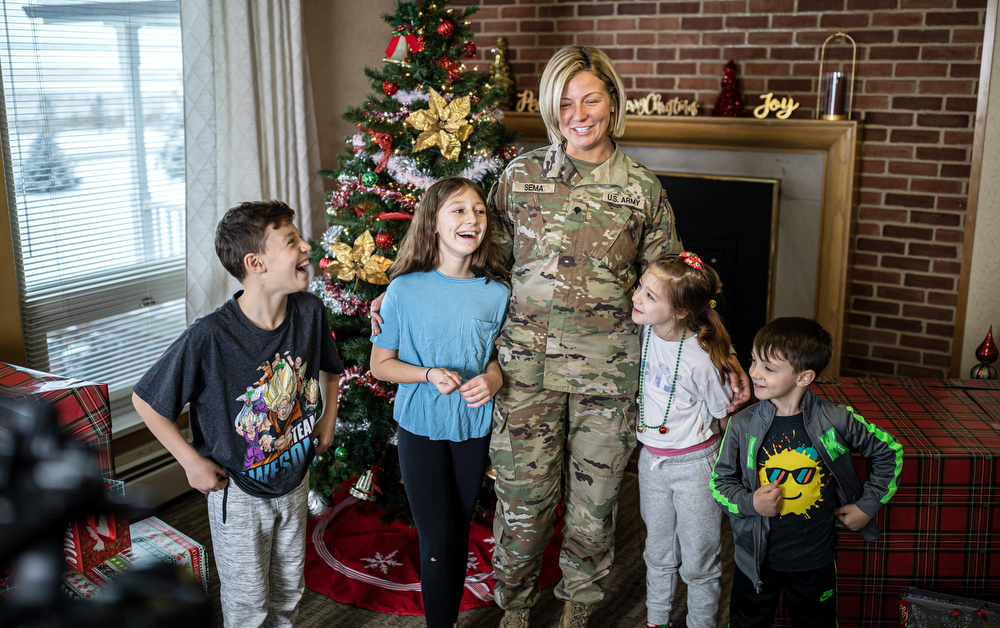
94	157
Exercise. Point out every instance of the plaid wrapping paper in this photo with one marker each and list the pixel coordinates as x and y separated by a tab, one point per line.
82	407
941	531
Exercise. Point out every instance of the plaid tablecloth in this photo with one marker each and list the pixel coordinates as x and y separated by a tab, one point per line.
941	531
82	407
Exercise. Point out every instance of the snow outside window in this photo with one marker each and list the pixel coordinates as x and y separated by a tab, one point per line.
93	147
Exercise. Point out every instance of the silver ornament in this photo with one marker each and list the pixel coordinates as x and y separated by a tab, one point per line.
318	504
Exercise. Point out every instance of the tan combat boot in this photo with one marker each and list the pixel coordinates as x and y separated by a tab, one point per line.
515	619
575	615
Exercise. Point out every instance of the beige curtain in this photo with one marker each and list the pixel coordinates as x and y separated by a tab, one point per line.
250	128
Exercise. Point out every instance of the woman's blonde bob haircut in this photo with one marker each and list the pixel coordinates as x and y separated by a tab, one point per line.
561	68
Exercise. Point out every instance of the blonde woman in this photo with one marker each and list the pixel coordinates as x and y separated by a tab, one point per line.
578	221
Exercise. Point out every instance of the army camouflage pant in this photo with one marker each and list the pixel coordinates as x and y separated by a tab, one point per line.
540	437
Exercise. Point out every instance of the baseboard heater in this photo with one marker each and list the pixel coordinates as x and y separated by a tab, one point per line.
152	477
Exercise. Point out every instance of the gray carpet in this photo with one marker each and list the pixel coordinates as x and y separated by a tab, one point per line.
623	605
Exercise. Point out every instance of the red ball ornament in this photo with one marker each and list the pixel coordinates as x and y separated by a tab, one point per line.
389	88
323	263
419	46
384	240
470	49
446	28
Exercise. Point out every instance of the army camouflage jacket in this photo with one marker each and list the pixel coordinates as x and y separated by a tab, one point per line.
576	246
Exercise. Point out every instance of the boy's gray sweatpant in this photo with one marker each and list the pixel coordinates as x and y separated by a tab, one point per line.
683	527
260	554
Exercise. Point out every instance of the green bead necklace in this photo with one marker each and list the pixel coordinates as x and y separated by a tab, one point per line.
642	376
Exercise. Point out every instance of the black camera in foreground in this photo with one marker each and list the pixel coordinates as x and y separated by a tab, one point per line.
46	481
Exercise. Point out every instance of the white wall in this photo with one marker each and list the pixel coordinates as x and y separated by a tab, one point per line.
342	37
983	307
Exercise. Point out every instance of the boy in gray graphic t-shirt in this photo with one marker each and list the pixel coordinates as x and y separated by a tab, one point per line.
252	371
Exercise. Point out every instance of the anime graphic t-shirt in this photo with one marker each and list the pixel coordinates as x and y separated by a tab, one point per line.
254	393
802	535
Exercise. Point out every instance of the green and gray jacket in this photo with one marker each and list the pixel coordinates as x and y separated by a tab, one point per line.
835	432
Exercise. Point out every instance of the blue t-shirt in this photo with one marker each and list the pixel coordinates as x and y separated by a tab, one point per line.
433	320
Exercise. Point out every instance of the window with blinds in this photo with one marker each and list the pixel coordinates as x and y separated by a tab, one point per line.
93	147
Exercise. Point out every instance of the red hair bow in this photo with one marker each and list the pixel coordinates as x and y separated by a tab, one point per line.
692	260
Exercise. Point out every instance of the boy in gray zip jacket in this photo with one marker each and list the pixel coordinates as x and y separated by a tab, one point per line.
785	477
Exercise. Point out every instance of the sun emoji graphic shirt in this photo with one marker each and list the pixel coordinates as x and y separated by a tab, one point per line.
802	535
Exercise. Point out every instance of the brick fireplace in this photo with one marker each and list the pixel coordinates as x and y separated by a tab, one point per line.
918	71
815	162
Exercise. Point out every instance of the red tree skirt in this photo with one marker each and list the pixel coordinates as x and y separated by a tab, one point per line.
356	559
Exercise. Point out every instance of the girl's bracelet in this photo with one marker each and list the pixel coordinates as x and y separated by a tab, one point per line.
427	374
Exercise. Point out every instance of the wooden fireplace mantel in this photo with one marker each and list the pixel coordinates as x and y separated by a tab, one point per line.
838	141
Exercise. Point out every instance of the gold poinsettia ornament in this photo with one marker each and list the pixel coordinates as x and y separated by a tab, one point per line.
358	261
443	124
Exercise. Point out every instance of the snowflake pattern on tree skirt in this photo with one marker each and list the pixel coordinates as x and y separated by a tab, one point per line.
382	562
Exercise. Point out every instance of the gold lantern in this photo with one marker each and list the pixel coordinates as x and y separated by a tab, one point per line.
836	87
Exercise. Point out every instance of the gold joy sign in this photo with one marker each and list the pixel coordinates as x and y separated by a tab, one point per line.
784	106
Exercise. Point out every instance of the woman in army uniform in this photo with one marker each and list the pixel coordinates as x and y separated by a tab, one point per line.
579	220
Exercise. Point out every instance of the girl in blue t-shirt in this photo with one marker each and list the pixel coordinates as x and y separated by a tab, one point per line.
442	313
682	394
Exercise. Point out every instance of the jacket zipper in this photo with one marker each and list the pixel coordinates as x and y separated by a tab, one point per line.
758	528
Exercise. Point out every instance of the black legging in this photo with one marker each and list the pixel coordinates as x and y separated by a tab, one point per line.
442	480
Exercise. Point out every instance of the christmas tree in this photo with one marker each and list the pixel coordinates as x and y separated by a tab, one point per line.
46	168
730	100
427	118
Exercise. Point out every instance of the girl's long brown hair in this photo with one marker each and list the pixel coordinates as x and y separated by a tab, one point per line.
691	290
419	249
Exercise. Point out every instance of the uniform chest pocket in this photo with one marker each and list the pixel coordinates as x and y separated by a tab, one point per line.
529	221
616	232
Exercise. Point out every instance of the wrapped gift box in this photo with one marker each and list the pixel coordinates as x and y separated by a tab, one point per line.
152	541
82	407
76	586
92	539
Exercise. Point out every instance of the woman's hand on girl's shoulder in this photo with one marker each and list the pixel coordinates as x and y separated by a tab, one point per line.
444	380
375	305
480	389
740	384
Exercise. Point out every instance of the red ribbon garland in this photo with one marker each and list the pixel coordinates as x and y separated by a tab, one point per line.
384	141
394	216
